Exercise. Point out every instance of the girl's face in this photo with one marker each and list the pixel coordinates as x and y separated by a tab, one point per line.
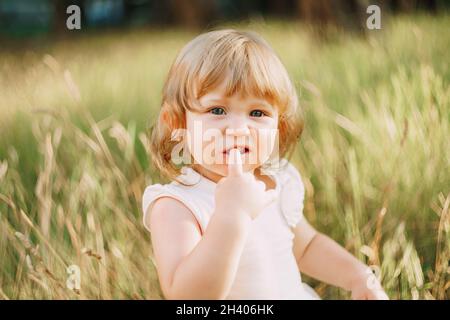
247	123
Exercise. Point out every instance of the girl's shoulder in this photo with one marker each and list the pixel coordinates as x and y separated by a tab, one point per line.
190	190
292	191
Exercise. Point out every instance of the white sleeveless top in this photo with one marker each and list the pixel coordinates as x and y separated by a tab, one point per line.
267	268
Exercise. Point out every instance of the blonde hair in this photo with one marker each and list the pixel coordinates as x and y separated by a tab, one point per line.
247	65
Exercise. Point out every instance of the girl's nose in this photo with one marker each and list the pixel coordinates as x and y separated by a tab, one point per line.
237	127
237	132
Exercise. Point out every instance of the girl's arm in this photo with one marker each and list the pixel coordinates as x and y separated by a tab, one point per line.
191	266
322	258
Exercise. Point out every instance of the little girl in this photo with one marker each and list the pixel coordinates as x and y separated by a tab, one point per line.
230	225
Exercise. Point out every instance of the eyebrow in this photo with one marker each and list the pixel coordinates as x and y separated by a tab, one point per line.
216	99
213	99
261	103
252	103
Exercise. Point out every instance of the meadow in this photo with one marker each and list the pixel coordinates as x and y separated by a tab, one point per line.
374	155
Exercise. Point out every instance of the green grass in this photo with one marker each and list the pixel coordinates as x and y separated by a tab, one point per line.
374	155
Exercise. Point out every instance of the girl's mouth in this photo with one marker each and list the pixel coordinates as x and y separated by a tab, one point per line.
242	149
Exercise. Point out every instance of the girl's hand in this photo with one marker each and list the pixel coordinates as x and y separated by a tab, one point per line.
239	192
367	287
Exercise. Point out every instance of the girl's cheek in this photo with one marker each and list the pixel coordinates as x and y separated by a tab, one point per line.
206	147
267	144
194	144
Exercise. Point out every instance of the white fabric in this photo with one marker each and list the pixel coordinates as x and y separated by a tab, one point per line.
267	269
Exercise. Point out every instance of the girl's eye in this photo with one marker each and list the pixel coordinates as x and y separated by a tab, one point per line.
256	113
217	111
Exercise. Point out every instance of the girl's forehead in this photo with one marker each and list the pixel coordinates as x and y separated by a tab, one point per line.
218	95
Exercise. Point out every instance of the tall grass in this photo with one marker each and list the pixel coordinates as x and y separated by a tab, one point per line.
374	156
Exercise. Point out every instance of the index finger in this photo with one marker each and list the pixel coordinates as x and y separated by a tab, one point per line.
234	163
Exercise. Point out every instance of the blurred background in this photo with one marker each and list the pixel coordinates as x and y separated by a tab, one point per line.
22	18
76	106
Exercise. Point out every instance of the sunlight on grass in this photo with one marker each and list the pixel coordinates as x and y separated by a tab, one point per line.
374	155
